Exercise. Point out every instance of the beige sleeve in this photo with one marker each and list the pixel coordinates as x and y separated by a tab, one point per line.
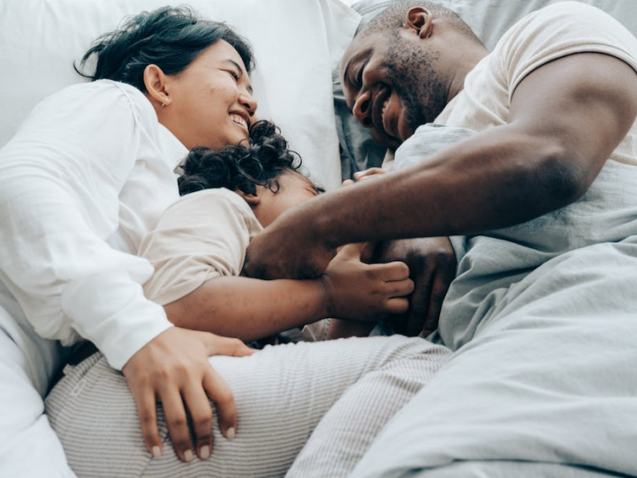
201	236
562	29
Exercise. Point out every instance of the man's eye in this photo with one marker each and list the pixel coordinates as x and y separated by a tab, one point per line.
359	79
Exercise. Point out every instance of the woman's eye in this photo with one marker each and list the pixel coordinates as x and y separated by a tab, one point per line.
234	75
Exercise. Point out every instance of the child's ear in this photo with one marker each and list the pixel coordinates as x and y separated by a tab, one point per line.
251	199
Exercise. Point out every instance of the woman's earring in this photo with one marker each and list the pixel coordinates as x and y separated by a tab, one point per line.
162	105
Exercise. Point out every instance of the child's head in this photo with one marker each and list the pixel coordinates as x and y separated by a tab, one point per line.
264	172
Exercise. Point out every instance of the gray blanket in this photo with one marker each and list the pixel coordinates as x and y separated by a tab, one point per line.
544	320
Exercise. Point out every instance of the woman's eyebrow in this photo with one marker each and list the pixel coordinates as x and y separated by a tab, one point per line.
238	67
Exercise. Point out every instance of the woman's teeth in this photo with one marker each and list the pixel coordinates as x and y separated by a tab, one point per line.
239	120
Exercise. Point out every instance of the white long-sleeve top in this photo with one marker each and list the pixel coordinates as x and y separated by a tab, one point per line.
85	178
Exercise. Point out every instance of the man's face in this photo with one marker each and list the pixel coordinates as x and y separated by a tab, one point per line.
390	84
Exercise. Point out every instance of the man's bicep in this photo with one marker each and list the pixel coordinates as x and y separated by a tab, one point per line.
584	104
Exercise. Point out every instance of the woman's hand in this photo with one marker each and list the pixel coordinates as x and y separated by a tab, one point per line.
366	292
173	369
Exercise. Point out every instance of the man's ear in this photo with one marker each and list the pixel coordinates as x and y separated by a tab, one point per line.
251	199
156	83
421	21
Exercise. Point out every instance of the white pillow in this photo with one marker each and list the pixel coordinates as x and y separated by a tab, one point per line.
297	43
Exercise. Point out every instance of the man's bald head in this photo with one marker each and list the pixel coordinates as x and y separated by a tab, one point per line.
393	17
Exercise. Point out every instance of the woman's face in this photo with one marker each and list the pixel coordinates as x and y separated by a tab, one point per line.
210	102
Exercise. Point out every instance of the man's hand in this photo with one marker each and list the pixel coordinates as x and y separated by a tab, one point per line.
365	292
289	248
282	251
173	369
432	266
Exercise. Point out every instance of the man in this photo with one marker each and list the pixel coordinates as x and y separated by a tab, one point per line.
542	311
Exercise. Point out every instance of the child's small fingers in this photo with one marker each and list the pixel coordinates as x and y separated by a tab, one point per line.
400	288
368	173
393	271
353	250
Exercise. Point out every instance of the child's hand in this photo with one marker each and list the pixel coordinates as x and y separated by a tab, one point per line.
363	175
366	292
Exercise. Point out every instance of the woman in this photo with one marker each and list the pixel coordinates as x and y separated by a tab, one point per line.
82	182
84	179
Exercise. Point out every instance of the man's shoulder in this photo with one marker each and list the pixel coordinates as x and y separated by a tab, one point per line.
568	8
562	17
559	30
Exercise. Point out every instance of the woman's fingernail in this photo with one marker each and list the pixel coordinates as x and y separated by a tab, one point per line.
156	452
230	433
188	455
204	452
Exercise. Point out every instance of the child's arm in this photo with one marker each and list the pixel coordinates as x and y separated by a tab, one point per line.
251	309
248	308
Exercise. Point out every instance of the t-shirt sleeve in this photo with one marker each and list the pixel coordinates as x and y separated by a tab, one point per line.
201	236
559	30
60	178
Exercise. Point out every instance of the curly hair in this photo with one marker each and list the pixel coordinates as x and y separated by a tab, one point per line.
241	167
169	37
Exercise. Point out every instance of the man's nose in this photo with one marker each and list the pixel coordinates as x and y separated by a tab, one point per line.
362	109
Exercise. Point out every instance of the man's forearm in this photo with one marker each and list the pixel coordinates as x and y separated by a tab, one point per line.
495	179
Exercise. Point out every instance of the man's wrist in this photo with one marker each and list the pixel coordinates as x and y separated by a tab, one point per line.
328	291
320	230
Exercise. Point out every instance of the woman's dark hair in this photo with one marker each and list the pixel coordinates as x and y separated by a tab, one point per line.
242	167
169	37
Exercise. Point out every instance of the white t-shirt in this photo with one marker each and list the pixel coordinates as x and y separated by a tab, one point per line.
553	32
490	264
201	236
81	183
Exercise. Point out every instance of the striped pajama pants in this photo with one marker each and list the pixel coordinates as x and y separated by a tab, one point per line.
305	409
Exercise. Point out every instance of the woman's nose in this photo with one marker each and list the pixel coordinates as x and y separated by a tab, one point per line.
248	101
